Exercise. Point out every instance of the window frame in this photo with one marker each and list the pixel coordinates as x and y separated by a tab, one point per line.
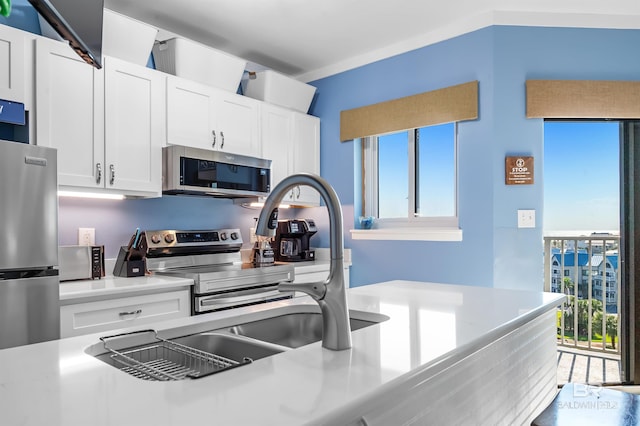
412	227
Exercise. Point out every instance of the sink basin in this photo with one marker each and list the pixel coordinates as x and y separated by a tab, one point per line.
196	351
228	346
295	329
148	357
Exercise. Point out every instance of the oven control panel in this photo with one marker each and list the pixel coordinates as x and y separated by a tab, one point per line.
210	238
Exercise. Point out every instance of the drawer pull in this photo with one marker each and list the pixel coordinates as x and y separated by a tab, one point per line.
98	173
136	312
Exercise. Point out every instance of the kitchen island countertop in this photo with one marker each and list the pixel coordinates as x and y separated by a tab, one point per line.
431	328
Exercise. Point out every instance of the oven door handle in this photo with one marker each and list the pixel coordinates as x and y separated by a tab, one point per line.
247	296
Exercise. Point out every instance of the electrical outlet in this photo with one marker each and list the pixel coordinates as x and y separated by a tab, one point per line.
526	218
86	236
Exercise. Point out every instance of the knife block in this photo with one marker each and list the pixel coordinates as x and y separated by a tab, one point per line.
129	264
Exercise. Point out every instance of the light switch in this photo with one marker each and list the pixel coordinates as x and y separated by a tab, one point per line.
526	218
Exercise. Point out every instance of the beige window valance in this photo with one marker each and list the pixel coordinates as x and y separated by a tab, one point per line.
454	103
583	99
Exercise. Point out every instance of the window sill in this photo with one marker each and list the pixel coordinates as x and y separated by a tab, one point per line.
408	234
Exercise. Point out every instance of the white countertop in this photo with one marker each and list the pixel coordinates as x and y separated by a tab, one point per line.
430	326
110	287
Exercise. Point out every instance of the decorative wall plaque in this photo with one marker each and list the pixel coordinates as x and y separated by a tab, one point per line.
518	171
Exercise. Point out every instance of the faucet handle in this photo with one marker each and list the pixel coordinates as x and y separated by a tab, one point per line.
316	290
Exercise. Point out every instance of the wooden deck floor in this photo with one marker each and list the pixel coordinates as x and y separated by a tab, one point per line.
583	366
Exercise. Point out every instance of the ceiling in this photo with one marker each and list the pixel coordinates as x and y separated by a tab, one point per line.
314	39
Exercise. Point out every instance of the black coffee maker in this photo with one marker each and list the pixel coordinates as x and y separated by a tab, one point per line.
292	240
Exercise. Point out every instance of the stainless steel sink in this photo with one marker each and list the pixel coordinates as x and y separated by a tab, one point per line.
228	346
196	351
145	355
293	330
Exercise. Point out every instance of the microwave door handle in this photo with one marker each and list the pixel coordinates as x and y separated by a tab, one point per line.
246	297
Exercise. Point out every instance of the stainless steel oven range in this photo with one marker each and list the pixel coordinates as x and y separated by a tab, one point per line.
213	260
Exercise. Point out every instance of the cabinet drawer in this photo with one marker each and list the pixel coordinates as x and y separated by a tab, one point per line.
318	276
92	317
311	277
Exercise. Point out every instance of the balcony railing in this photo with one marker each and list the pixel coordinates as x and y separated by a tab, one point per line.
589	319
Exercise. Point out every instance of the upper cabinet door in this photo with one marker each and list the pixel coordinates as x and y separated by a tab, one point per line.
306	155
204	117
12	64
69	110
237	124
134	131
190	114
277	129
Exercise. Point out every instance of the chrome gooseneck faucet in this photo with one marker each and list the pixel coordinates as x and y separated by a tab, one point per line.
330	294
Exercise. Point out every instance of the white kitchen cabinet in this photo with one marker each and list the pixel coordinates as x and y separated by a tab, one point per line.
104	315
304	274
311	277
291	141
306	155
107	125
204	117
134	134
12	48
277	132
69	104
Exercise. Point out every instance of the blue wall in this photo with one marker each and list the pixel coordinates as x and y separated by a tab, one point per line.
494	252
456	61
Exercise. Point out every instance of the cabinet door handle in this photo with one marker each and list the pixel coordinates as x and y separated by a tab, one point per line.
213	145
112	170
98	173
126	314
222	141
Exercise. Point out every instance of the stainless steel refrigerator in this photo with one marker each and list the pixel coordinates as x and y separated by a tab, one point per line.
29	284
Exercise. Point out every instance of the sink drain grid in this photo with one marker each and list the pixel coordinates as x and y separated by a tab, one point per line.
166	360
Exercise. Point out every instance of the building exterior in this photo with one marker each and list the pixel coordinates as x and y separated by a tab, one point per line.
582	269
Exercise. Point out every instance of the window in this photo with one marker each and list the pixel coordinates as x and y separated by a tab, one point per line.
410	178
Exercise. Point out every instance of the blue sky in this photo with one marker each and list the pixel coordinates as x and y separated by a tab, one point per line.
581	176
437	172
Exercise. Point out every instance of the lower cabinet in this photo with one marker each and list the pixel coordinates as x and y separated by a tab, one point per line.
104	315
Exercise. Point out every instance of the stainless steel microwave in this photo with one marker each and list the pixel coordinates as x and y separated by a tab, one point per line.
194	171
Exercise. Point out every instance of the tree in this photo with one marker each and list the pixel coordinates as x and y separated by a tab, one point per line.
568	285
582	310
611	327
